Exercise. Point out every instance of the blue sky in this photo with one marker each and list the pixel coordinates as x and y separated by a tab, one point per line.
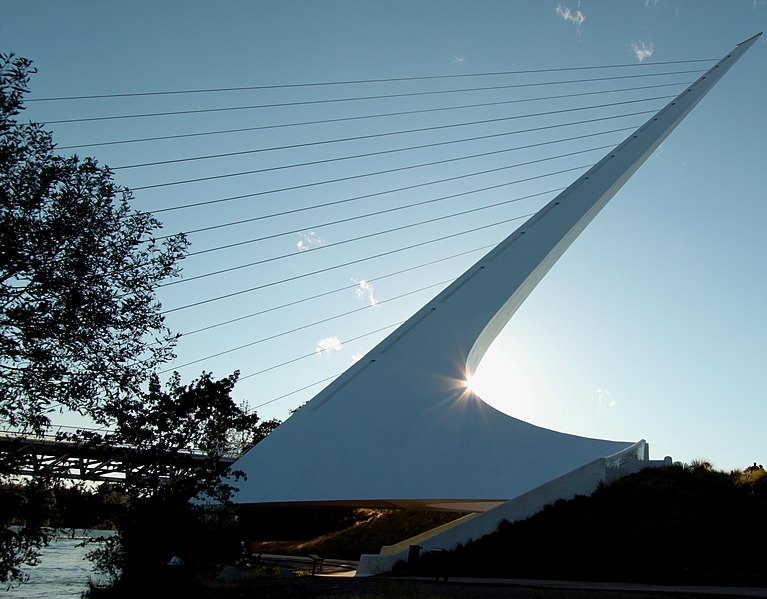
651	326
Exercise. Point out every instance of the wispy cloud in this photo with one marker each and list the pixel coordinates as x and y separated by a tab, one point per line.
758	3
653	2
357	357
365	291
308	240
643	50
576	17
457	60
328	344
603	399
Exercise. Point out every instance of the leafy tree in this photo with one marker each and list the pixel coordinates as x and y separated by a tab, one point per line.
187	432
18	546
80	326
81	330
22	509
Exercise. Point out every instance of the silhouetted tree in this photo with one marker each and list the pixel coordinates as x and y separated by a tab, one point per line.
23	509
80	328
188	431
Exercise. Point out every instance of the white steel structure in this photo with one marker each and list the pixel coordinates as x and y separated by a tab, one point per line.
400	427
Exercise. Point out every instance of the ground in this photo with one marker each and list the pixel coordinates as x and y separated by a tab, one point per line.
387	588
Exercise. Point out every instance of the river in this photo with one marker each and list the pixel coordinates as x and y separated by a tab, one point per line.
63	571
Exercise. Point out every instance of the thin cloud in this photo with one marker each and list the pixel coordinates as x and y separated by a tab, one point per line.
457	60
328	344
603	400
308	240
357	357
576	17
758	3
643	50
365	291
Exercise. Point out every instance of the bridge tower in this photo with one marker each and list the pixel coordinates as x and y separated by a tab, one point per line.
400	427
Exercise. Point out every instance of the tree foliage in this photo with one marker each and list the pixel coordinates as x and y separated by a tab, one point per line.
188	431
176	442
22	536
184	436
80	328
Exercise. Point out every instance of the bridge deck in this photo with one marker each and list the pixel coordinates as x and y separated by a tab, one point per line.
51	456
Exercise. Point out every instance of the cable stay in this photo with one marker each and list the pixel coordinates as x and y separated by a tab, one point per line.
117	117
342	265
306	326
367	116
337	290
348	178
303	357
385	134
398	189
372	214
284	395
373	173
386	231
361	81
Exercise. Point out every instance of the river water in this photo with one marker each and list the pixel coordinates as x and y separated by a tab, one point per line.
63	571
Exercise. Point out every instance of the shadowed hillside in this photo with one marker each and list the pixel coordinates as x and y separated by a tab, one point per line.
672	525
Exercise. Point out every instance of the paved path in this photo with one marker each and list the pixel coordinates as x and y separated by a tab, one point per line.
610	586
332	568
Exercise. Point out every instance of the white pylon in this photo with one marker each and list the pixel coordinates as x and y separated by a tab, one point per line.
400	427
